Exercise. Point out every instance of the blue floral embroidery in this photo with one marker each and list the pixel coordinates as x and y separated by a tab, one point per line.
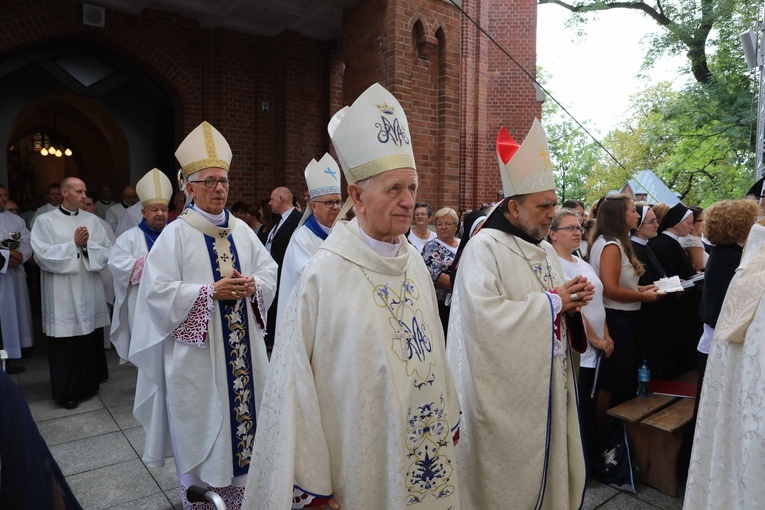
428	437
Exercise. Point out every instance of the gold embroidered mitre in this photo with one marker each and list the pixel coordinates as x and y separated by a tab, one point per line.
526	168
154	188
203	148
372	135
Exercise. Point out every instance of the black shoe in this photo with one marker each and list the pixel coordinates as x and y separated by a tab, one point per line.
13	368
70	404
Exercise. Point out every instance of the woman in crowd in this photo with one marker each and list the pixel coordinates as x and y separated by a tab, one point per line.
565	235
684	309
420	234
613	258
439	255
692	244
727	225
656	343
267	219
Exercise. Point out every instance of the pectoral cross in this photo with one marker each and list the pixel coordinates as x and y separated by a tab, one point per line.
401	339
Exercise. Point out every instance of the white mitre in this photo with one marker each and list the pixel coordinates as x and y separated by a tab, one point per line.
154	188
371	136
322	178
526	168
203	148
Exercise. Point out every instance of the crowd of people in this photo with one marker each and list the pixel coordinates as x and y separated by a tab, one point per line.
375	353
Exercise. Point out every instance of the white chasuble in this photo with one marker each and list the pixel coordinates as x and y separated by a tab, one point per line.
520	443
727	465
15	311
128	256
359	402
202	363
303	245
73	301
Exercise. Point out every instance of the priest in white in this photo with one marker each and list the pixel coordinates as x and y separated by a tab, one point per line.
54	197
115	212
130	219
323	181
72	248
129	254
728	459
15	312
360	409
207	283
508	345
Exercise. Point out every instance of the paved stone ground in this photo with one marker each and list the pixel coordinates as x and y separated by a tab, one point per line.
99	446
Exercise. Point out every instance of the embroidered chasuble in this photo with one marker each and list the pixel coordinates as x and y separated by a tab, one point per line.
73	301
202	363
520	443
359	401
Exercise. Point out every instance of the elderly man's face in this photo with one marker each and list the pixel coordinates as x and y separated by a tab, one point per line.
535	215
155	216
211	200
326	208
89	205
385	207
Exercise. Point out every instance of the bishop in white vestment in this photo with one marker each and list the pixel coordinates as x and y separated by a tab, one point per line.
129	254
323	181
72	248
202	302
508	347
727	466
360	409
15	311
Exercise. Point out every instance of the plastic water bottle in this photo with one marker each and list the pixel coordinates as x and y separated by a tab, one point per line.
644	375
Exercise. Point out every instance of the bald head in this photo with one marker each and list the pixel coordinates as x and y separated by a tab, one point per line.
281	200
73	192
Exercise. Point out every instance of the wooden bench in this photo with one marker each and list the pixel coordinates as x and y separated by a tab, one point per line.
656	426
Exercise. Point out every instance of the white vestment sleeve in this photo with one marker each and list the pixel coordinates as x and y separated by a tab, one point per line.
99	248
121	265
54	258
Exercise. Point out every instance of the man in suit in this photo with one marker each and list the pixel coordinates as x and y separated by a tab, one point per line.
278	239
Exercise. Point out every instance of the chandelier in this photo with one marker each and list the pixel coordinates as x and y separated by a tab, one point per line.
52	143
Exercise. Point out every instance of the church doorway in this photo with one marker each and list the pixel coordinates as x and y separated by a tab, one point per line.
79	109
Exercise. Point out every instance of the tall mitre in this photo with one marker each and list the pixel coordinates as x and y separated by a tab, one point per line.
203	148
322	178
154	188
525	168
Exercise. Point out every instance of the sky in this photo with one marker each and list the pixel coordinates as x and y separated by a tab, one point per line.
594	76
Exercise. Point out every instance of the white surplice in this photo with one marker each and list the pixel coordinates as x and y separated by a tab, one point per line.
15	311
73	301
352	409
184	388
129	248
40	211
114	214
303	245
500	349
727	465
132	217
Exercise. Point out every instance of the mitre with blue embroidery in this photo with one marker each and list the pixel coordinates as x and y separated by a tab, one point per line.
154	188
203	148
372	135
525	168
322	178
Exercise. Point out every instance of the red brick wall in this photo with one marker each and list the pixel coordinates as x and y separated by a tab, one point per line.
456	88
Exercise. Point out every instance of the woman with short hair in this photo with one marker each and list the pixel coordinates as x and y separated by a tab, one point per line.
420	234
439	255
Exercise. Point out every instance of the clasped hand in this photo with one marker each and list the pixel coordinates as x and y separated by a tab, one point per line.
234	286
575	293
81	236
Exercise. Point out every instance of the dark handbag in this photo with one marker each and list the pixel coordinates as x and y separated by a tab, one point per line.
614	466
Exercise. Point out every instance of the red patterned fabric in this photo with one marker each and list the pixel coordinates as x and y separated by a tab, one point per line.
135	278
193	330
301	499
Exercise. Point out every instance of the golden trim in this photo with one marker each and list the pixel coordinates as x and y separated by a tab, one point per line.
154	201
198	166
379	166
207	131
157	183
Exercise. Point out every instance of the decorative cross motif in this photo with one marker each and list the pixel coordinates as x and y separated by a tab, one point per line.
225	257
546	157
331	172
401	339
223	234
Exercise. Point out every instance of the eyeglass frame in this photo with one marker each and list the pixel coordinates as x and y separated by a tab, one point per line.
224	182
329	204
449	224
570	228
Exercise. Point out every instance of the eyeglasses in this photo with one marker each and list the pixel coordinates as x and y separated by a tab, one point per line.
329	204
571	228
651	222
213	183
421	215
447	224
